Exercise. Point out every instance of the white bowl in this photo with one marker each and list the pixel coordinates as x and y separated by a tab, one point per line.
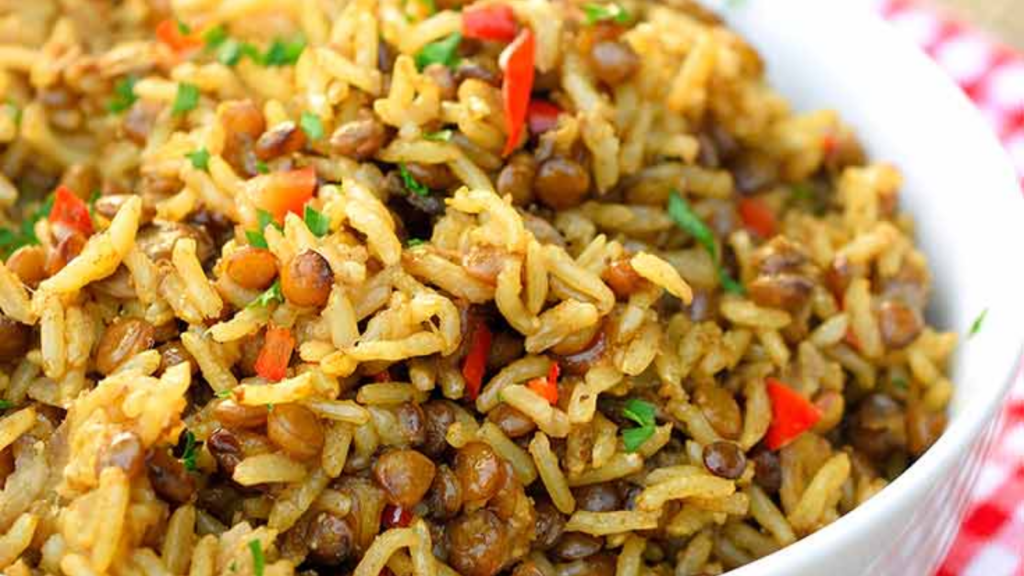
961	189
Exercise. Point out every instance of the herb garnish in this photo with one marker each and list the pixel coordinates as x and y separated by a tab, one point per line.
316	221
258	561
186	99
684	217
311	125
439	136
272	294
443	51
188	457
642	413
124	95
411	183
200	158
613	12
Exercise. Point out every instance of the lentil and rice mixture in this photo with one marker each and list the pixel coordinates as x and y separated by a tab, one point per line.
422	287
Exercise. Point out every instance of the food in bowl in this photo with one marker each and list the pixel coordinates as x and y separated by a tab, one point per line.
389	287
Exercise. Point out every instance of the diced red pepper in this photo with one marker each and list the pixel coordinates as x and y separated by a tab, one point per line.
169	32
285	192
517	64
792	415
71	211
383	376
272	362
395	517
489	22
542	116
757	217
547	387
476	361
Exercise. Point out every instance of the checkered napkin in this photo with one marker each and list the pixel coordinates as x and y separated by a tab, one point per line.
991	539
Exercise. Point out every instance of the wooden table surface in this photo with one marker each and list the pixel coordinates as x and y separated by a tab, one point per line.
1004	19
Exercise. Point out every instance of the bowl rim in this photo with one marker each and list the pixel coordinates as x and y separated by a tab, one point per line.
980	411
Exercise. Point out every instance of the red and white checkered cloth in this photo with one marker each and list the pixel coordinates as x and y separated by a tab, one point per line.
991	539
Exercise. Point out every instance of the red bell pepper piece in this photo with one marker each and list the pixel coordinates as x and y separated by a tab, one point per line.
395	517
71	211
169	32
285	192
757	217
542	116
383	376
272	362
517	64
476	361
792	415
490	22
547	387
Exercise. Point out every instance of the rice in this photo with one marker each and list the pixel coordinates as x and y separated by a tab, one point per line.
311	248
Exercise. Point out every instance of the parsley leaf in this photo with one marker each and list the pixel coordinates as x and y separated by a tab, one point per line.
900	382
976	325
443	51
634	438
262	167
680	212
639	411
256	237
414	242
311	125
183	28
215	36
439	136
317	223
5	404
284	52
224	394
643	414
229	52
124	95
188	457
410	183
613	12
270	295
257	557
92	202
186	99
200	159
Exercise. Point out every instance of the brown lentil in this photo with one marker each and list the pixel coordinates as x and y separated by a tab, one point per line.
307	280
561	183
477	544
123	340
15	339
28	263
330	539
445	497
284	138
226	449
168	476
724	459
598	498
405	475
516	178
252	268
359	139
512	422
296	430
576	545
438	416
613	61
173	353
480	471
231	413
900	324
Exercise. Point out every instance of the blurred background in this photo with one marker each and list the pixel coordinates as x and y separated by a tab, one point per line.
1003	19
